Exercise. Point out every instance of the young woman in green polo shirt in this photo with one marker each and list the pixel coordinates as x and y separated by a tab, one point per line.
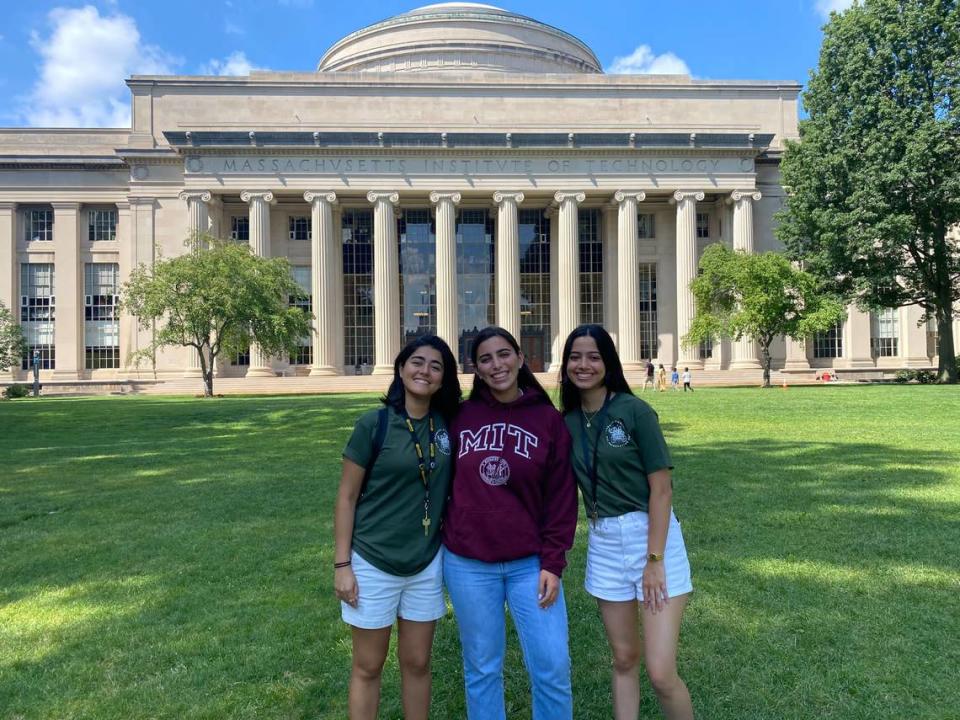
395	482
636	553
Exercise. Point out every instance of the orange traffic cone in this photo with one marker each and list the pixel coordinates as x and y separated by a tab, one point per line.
784	386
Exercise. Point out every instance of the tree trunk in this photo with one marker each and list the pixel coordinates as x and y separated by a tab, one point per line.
767	361
947	370
206	370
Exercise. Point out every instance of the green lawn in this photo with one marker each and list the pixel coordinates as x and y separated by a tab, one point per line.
171	558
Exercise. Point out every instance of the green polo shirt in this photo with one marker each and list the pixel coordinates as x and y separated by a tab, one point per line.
631	447
388	524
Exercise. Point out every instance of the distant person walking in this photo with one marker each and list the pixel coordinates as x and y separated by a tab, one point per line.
686	380
675	379
661	378
648	378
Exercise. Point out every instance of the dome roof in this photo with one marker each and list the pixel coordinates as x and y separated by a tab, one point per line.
458	36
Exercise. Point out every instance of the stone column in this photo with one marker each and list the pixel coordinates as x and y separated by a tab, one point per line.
555	341
628	277
386	281
259	203
198	223
611	309
568	297
796	354
9	271
686	202
744	350
448	299
913	351
136	233
325	265
68	289
508	261
856	340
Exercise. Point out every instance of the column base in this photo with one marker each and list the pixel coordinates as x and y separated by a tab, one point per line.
192	373
382	369
745	365
796	365
260	372
323	371
918	362
633	365
65	375
692	364
856	363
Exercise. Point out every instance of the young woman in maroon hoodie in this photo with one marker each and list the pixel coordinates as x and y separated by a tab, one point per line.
510	520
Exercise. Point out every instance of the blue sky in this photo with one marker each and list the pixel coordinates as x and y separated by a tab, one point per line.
62	63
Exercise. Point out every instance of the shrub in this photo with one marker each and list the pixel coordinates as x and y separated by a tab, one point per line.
924	377
16	390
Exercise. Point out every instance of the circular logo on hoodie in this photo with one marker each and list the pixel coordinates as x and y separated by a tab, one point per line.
494	470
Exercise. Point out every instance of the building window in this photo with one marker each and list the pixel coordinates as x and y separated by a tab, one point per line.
304	301
357	233
535	337
240	228
649	339
38	225
884	332
241	359
703	225
933	338
706	349
37	313
829	344
591	267
101	327
475	263
645	229
299	228
101	225
418	270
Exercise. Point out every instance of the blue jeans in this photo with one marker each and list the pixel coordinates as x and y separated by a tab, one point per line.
478	591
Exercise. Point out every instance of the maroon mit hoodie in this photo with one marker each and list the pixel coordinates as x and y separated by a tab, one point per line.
514	493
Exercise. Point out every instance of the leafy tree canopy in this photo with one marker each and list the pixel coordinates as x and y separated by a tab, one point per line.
740	295
11	340
874	183
217	298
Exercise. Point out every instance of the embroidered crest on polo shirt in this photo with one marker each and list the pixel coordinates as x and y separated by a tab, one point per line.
494	470
442	439
617	434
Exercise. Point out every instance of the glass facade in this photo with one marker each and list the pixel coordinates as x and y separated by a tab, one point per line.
534	234
356	228
304	301
591	266
37	313
475	282
418	274
101	327
649	339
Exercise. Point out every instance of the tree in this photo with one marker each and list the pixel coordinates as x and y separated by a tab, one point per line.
739	295
11	340
874	183
217	298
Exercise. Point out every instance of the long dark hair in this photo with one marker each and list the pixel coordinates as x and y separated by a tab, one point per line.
613	379
525	378
446	400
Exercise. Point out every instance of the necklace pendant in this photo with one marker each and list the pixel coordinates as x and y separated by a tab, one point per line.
426	526
588	423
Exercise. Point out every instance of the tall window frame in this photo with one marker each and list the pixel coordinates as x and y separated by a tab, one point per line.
703	226
646	227
828	344
304	301
476	260
102	224
38	313
535	299
356	232
647	312
101	327
590	250
38	224
417	252
299	227
884	332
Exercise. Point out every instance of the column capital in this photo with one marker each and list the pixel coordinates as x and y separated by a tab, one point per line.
501	195
681	195
562	195
4	205
620	195
436	197
312	196
251	195
738	195
201	195
391	197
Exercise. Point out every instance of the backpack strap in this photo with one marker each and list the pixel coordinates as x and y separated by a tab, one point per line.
379	435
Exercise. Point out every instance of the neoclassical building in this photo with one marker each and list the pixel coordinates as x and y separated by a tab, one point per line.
447	168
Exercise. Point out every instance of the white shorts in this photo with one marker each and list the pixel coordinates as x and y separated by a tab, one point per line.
617	555
384	597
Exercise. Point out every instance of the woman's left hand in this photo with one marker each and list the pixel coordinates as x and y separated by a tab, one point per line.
548	589
654	587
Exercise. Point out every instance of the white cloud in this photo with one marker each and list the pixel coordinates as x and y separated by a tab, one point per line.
825	7
231	28
85	60
643	61
235	63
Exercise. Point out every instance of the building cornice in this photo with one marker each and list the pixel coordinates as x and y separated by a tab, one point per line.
62	162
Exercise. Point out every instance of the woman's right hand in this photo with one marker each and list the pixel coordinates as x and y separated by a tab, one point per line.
345	586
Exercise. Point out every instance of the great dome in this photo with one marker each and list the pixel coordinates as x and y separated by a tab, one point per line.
460	36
